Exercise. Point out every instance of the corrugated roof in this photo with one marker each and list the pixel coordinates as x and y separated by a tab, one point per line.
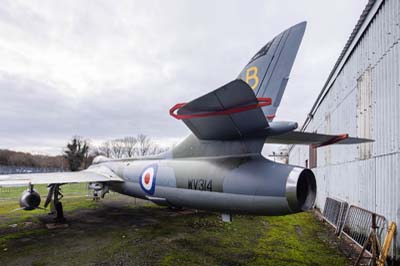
354	37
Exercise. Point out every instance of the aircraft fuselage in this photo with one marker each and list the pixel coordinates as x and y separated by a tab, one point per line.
233	184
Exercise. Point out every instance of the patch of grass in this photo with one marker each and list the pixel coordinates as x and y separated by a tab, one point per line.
296	240
5	238
9	217
69	203
7	193
155	236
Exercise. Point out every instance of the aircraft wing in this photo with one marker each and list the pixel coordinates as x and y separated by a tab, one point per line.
92	174
318	140
229	112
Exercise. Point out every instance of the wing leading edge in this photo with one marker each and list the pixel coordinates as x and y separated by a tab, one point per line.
92	174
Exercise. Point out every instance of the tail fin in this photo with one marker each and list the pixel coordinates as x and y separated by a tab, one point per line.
268	71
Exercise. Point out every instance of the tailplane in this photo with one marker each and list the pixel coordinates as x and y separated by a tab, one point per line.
237	117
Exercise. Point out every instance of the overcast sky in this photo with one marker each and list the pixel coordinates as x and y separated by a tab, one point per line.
108	69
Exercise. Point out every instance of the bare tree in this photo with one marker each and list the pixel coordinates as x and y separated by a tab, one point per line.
104	149
129	144
117	148
144	145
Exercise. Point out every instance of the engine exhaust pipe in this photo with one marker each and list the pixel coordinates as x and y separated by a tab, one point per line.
301	189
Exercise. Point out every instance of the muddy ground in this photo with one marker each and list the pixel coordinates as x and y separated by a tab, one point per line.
122	231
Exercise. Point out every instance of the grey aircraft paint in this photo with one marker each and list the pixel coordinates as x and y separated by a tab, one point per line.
219	166
235	184
268	71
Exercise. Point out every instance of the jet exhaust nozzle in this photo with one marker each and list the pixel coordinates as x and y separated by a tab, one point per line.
301	189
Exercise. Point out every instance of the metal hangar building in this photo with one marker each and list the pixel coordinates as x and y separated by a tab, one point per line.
361	97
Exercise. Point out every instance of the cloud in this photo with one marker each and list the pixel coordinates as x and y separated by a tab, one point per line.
102	69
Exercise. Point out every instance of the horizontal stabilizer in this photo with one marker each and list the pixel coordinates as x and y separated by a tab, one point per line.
229	112
318	140
92	174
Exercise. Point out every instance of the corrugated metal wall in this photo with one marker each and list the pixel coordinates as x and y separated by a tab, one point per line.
364	101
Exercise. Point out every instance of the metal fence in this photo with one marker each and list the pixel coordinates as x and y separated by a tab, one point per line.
7	193
7	170
354	224
335	212
73	189
358	225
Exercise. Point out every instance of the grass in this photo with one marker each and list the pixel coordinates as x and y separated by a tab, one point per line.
75	198
289	240
115	232
8	193
297	240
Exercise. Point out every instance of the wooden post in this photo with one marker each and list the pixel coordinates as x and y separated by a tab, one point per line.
374	246
373	240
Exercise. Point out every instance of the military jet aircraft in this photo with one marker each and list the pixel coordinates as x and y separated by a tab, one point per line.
219	167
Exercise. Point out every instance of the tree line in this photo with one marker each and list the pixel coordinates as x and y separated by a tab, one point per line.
16	158
79	153
127	147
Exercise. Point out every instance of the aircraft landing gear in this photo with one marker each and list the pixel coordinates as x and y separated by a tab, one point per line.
53	198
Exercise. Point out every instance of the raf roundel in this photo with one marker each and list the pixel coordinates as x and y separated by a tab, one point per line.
148	179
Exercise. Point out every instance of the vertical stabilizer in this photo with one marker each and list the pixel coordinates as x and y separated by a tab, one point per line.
268	71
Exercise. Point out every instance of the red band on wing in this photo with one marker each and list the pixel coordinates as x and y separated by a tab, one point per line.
333	140
270	117
261	102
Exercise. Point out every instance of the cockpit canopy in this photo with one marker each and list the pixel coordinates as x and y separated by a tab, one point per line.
100	159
